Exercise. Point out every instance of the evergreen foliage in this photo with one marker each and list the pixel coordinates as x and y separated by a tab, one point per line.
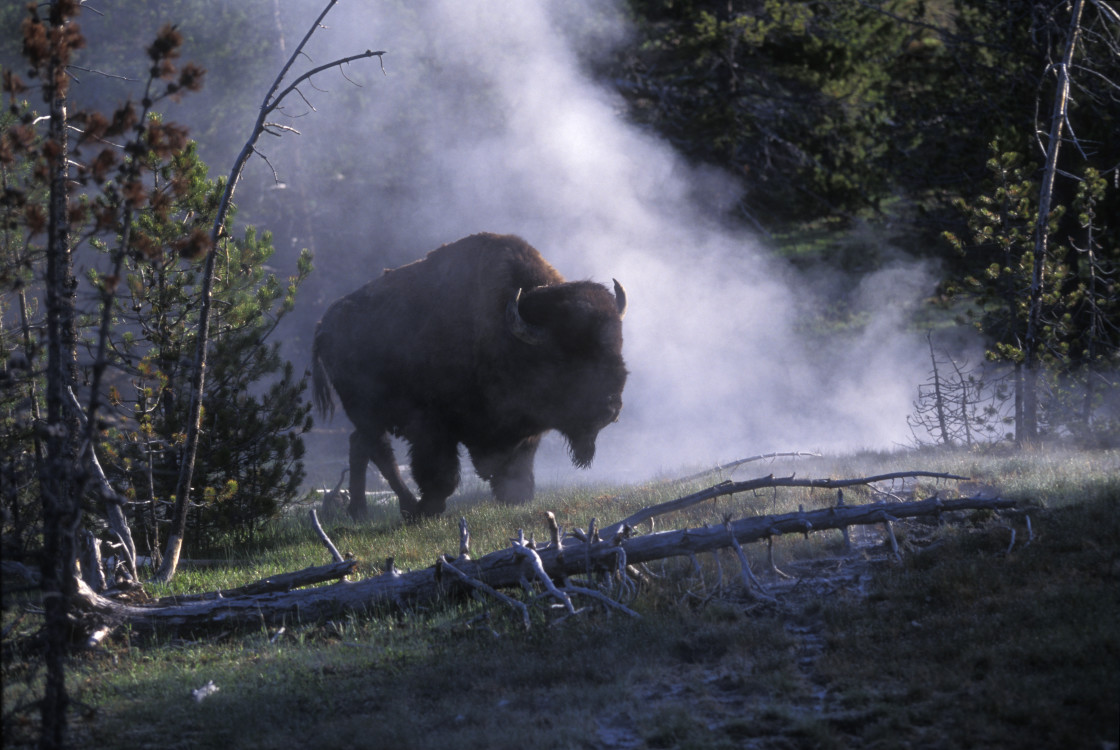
922	121
249	465
138	219
880	112
1079	342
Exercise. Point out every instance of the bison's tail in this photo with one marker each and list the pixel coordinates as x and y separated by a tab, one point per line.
320	381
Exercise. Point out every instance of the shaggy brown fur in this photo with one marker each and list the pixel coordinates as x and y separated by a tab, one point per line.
443	351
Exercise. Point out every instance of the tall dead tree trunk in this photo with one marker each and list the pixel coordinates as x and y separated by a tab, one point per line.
61	511
938	400
1032	342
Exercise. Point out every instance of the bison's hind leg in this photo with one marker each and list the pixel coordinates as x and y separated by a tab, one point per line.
435	469
379	450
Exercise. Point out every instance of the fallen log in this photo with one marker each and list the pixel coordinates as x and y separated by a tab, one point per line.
732	488
506	568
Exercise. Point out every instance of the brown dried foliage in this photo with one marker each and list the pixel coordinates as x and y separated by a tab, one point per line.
166	138
34	218
167	43
191	77
95	125
124	119
146	246
49	48
194	246
101	164
13	84
134	193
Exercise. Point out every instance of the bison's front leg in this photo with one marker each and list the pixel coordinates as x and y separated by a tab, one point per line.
510	472
435	469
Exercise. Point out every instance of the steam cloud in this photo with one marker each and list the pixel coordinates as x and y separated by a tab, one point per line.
487	120
505	132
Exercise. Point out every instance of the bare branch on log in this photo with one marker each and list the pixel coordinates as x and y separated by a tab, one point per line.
98	636
114	511
890	533
601	597
90	561
732	488
464	540
770	556
325	539
1011	544
735	464
751	584
281	582
537	566
444	566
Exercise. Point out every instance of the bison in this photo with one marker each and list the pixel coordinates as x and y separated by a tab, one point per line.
480	343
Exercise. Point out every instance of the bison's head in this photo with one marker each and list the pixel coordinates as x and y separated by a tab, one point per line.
574	335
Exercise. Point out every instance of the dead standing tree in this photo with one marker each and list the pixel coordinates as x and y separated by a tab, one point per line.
608	554
272	103
958	404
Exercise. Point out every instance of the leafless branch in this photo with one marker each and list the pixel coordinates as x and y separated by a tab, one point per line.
445	566
325	539
733	464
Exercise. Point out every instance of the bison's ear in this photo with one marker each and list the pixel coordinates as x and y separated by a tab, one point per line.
527	332
620	299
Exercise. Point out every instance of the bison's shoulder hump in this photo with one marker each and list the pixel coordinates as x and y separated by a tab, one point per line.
496	260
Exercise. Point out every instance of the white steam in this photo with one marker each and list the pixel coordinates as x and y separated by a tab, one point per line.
503	131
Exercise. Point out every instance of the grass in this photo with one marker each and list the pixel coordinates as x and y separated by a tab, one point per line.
959	645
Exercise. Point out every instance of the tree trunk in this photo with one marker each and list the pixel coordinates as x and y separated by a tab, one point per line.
1032	342
61	512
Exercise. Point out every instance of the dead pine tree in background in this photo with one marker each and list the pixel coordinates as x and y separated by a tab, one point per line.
957	405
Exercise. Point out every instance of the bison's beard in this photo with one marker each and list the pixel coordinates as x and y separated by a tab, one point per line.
581	449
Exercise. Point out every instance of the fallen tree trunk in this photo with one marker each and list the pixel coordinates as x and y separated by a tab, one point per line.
506	568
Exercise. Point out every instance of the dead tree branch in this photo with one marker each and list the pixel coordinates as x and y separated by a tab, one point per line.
281	582
739	462
271	102
732	488
325	539
445	566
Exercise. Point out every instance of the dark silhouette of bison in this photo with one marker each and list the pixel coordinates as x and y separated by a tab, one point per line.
483	343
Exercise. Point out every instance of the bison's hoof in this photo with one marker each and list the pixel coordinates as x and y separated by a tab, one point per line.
424	509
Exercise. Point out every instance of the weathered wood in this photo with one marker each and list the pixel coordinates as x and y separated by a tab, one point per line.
732	488
324	538
280	582
504	568
735	464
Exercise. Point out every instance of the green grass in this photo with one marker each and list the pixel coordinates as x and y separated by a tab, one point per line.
960	645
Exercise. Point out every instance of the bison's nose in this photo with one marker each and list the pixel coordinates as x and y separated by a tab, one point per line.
614	403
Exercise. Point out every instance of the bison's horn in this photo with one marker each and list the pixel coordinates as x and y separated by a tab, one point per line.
620	298
527	332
